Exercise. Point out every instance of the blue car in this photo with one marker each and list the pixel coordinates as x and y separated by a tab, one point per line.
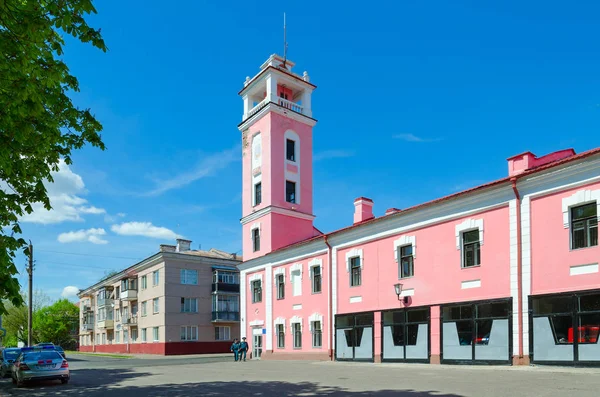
7	358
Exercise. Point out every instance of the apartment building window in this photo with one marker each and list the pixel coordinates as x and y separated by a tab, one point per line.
189	276
290	150
290	192
189	333
144	308
222	333
317	334
255	239
97	339
280	336
189	305
155	306
316	279
104	339
226	303
155	334
134	335
117	315
144	335
355	271
280	286
155	278
117	293
297	332
258	193
584	226
144	282
117	337
406	263
471	248
226	277
125	336
256	291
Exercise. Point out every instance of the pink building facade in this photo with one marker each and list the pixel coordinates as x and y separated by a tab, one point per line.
504	273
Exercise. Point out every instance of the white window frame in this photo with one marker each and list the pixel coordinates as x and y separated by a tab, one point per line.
293	321
579	198
468	225
155	278
318	318
144	308
189	333
280	271
155	334
353	253
223	328
279	321
144	335
189	301
288	175
188	276
117	337
316	262
255	226
155	306
144	282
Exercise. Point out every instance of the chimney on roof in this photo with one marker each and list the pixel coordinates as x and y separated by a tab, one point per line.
167	248
183	245
234	255
363	209
391	211
526	161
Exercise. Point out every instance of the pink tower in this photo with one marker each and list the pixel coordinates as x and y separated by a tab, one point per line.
277	158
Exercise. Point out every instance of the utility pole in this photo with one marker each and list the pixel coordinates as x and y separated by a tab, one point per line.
30	295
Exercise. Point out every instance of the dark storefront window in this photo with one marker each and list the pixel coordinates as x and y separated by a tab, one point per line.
405	335
477	331
354	337
565	328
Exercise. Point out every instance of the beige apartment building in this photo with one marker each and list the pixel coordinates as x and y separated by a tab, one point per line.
177	301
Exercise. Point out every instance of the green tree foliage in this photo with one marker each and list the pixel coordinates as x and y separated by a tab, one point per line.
15	319
57	323
39	124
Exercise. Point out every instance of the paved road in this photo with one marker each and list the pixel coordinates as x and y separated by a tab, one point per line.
270	378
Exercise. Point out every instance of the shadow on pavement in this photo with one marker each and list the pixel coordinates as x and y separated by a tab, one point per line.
99	382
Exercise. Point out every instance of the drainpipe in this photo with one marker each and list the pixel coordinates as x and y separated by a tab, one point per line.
330	264
519	267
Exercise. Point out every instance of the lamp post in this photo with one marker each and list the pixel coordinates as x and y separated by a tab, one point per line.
398	290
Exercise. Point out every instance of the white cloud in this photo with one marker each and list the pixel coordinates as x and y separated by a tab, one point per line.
332	154
89	235
64	194
414	138
113	218
121	215
145	229
207	167
69	292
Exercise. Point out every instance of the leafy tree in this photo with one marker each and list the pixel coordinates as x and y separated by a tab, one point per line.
39	125
15	319
57	323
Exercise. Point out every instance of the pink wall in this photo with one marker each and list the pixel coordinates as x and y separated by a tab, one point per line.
279	125
438	273
265	238
311	303
288	230
254	311
551	256
263	126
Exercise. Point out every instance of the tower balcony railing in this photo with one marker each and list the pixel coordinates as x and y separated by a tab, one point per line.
258	106
290	105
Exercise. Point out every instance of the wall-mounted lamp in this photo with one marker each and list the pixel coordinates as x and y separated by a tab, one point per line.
398	289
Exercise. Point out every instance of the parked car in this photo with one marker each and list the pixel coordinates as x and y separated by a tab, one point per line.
61	351
45	344
36	363
7	358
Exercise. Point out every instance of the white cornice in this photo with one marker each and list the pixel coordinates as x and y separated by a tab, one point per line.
273	107
276	210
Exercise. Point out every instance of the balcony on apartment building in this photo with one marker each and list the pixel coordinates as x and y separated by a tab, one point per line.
130	320
87	323
225	308
226	317
225	279
105	297
129	290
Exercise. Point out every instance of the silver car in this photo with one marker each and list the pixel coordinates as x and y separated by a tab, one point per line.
7	358
40	364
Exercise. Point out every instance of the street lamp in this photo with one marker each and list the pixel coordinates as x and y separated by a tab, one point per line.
398	289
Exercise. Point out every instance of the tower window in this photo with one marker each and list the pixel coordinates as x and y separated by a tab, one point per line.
257	193
283	95
256	240
290	192
290	151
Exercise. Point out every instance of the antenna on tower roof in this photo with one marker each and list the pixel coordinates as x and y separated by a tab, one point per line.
284	41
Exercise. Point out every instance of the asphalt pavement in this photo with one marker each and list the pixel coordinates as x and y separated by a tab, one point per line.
165	376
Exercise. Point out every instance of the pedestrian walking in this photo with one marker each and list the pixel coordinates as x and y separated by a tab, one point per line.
243	348
235	347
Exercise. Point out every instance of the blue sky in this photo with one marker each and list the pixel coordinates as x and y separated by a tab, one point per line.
415	100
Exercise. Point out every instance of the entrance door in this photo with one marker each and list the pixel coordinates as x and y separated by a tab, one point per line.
565	328
354	337
257	347
405	335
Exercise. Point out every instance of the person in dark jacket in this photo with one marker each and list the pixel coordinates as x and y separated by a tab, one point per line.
243	348
235	347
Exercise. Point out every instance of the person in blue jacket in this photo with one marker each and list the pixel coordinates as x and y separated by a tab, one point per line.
235	347
243	348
